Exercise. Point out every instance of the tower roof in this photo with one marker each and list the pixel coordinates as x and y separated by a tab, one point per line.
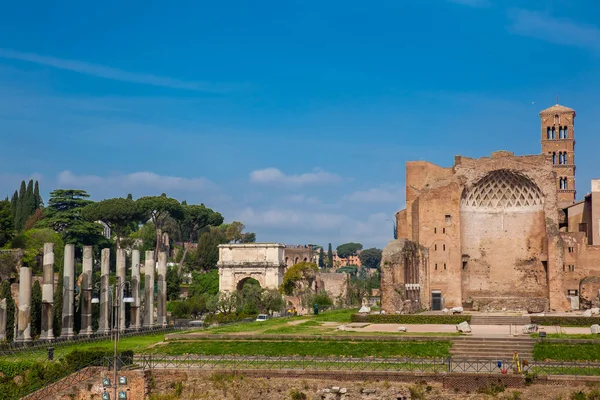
557	108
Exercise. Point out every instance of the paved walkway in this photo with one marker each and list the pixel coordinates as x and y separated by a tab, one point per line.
477	330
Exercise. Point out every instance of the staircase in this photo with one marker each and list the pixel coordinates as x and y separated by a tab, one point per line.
479	348
486	319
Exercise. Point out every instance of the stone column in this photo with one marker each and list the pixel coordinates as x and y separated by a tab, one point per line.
149	289
86	292
48	294
24	317
161	295
135	290
3	316
68	292
121	272
103	324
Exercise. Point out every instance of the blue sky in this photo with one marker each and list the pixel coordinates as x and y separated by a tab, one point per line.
295	117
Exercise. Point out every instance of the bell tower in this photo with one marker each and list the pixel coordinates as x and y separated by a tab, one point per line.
558	141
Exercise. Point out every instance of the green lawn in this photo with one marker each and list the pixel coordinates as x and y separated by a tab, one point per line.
135	343
309	348
566	351
569	336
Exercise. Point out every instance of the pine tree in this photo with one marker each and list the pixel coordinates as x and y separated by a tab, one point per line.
36	309
329	257
5	293
39	202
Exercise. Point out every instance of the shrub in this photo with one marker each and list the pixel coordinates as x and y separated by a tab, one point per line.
565	321
296	394
410	319
221	318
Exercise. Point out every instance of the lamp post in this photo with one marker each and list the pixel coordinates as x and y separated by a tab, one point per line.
122	294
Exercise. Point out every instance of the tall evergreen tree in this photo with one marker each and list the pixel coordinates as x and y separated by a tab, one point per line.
36	309
321	258
13	203
20	213
39	202
329	257
5	293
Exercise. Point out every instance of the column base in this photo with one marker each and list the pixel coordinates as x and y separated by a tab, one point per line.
47	335
68	334
86	332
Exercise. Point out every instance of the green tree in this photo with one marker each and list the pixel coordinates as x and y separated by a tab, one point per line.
38	201
348	249
34	245
63	215
36	309
205	283
5	293
159	209
7	226
250	297
14	202
370	258
349	269
329	257
196	219
298	279
271	300
20	213
118	213
321	259
173	283
208	247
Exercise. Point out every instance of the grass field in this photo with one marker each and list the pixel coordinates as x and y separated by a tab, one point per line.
566	351
308	348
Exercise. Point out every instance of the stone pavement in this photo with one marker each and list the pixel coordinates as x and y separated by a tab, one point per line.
477	330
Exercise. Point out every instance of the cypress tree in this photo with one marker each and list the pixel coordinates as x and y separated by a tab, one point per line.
13	204
5	293
329	257
29	201
36	309
19	215
321	258
36	195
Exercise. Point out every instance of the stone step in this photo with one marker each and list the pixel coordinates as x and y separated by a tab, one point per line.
499	320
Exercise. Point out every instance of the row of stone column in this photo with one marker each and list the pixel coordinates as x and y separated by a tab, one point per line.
68	311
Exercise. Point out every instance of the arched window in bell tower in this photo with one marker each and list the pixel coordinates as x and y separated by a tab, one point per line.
548	135
561	133
553	133
565	159
566	133
554	158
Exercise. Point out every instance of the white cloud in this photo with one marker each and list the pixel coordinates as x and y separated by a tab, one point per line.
102	71
135	180
275	176
384	194
554	30
315	226
302	199
472	3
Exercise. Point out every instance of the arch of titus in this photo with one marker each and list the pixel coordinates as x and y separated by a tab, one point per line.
265	262
105	294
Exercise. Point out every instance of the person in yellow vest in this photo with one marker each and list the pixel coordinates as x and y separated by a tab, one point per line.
516	362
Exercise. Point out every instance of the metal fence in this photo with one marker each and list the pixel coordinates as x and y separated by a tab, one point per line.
417	365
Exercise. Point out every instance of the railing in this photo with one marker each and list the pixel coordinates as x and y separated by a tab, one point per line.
15	348
419	365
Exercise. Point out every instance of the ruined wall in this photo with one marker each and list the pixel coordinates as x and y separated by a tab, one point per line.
393	289
439	232
295	254
335	284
